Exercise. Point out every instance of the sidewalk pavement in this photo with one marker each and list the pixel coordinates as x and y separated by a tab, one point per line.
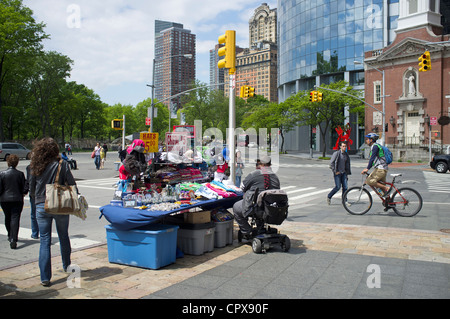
325	261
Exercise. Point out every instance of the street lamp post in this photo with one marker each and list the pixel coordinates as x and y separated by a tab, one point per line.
383	135
188	56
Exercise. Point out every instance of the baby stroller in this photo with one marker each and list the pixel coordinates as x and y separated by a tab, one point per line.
269	208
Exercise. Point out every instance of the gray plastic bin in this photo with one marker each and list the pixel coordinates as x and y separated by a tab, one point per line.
196	239
223	234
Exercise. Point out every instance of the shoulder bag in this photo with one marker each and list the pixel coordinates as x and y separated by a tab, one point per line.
61	199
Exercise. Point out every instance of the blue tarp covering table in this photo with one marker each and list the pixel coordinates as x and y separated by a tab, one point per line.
124	218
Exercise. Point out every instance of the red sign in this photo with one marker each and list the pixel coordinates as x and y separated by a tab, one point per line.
433	120
148	121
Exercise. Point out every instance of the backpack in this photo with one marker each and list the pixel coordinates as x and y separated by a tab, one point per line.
386	152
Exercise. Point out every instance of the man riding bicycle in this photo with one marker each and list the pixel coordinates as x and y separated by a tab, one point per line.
378	161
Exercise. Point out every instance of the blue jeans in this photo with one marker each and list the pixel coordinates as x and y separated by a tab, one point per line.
34	224
45	227
339	180
97	161
238	181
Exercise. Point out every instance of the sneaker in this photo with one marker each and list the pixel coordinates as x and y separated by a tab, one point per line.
328	201
45	283
386	194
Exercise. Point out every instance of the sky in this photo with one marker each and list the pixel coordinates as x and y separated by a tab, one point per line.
112	41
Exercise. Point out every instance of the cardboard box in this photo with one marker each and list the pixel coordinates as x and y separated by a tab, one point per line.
197	217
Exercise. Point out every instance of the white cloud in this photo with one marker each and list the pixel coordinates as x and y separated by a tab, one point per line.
115	41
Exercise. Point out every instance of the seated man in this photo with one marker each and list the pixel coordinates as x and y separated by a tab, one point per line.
71	161
262	179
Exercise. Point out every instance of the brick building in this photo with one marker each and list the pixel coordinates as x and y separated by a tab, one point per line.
412	98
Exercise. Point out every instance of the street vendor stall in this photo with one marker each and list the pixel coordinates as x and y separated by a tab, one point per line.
126	218
165	186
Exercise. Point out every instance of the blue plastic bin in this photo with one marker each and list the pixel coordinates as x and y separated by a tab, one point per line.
152	246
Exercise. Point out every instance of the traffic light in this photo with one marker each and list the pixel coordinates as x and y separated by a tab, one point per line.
250	91
116	124
247	91
314	96
311	96
319	97
425	62
228	51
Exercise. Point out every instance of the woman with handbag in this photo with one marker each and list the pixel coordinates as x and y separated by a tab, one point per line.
46	166
13	188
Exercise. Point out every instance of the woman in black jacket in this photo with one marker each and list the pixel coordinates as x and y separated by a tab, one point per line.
44	165
13	188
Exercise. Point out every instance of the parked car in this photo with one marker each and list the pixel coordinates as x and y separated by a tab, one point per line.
7	149
440	163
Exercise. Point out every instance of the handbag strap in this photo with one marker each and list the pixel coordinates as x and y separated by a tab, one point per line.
57	173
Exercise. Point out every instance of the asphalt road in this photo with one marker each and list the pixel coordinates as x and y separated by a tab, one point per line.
307	182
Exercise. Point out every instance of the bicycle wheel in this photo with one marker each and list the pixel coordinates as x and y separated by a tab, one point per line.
406	202
357	200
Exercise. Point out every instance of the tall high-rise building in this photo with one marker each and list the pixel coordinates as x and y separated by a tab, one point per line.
263	26
174	60
257	66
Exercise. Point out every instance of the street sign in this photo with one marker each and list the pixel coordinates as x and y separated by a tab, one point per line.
151	142
177	142
148	121
433	120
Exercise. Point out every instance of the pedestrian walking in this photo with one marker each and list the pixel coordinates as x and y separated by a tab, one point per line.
102	157
44	165
96	152
239	168
340	166
13	188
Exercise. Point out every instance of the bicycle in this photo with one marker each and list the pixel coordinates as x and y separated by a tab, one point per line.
405	202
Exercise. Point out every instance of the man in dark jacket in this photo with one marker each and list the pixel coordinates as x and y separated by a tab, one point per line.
340	165
260	179
13	187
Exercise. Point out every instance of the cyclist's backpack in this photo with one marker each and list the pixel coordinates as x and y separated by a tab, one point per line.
387	153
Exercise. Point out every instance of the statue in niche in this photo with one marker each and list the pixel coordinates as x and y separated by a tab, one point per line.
412	85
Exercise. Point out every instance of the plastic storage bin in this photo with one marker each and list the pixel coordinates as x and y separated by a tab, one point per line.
223	234
196	239
153	246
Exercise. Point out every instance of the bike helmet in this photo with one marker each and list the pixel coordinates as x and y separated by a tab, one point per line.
373	136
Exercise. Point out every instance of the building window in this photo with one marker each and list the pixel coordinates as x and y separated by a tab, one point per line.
412	6
377	92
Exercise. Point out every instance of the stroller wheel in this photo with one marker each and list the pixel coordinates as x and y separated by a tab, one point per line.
286	244
257	246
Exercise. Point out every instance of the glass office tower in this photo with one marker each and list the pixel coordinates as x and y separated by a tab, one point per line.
320	40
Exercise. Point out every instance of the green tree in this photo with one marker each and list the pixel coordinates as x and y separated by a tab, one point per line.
20	36
326	114
49	77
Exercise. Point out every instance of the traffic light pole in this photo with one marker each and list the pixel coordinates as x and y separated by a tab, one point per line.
232	127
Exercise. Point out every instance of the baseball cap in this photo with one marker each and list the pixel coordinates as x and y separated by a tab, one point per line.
265	159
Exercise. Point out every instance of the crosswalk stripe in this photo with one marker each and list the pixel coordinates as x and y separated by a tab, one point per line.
437	183
75	243
300	190
309	194
97	187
